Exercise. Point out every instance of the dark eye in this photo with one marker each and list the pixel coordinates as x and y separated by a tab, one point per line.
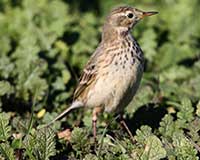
130	15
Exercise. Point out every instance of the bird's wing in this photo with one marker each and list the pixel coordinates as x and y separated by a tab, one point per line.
89	72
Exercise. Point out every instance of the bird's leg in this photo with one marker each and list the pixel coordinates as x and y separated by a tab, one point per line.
123	123
95	113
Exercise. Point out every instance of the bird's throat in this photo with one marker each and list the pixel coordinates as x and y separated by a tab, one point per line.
111	34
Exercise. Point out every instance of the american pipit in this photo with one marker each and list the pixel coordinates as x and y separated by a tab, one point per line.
112	75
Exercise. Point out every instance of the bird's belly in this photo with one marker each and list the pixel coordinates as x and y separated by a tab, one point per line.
116	86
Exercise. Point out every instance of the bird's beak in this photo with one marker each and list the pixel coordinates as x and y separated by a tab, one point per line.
145	14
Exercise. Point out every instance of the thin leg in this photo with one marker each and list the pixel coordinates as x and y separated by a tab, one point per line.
94	126
123	123
94	122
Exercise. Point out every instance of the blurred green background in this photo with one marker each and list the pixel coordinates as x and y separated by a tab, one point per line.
44	44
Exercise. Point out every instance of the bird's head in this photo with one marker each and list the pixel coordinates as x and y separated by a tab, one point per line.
126	17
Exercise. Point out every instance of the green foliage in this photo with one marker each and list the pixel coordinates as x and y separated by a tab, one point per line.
153	149
143	133
45	145
44	46
5	88
79	140
167	126
7	152
4	127
186	110
183	148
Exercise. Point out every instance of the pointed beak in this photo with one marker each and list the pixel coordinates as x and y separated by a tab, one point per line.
145	14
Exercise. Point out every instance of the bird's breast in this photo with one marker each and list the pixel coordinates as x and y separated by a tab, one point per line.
117	79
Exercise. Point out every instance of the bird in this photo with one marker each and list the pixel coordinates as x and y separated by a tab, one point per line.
113	73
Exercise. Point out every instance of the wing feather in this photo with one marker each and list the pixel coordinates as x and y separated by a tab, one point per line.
89	73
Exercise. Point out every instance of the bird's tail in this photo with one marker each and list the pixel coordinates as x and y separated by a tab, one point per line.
74	105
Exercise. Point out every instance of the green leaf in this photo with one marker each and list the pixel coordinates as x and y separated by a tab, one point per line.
4	127
194	129
91	157
143	96
30	143
45	146
186	110
5	44
153	149
167	126
6	67
79	140
58	84
183	148
66	76
171	53
5	88
198	109
143	133
175	73
6	151
148	44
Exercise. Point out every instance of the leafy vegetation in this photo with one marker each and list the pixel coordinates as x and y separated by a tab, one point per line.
44	46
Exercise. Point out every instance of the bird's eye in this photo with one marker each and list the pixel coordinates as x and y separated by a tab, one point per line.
130	15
